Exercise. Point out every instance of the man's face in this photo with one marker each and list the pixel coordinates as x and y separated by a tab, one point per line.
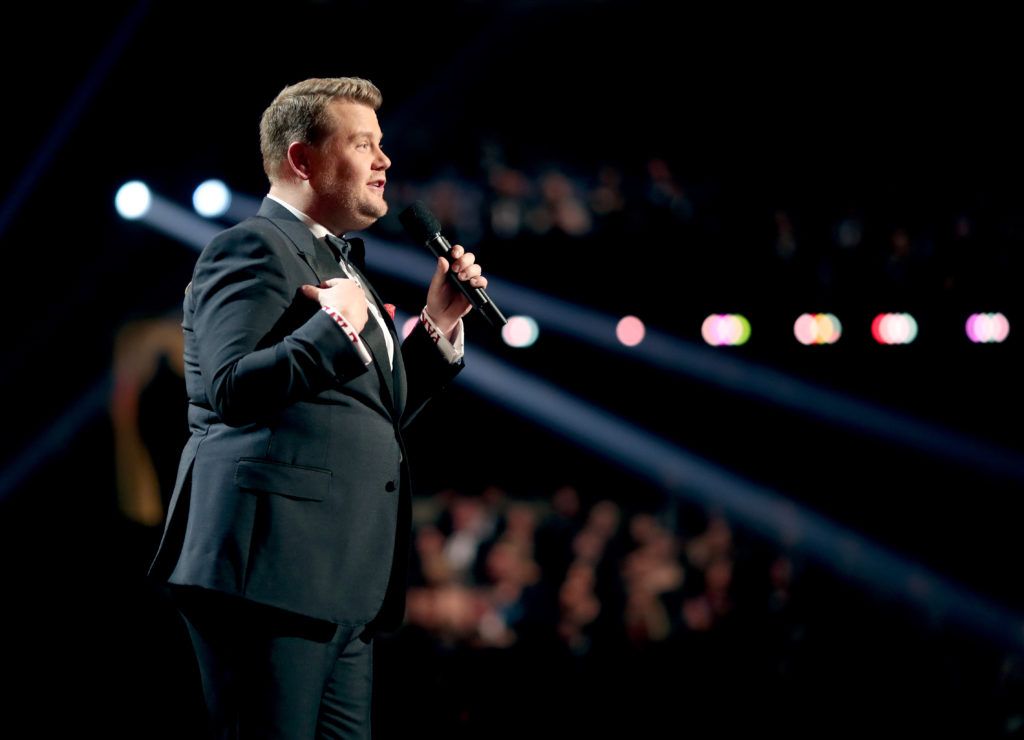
348	174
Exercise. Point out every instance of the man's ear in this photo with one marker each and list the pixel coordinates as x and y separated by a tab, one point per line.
299	158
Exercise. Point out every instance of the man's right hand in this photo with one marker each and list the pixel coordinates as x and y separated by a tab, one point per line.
344	296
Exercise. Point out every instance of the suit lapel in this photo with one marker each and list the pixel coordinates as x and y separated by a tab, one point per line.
395	380
320	260
374	339
311	250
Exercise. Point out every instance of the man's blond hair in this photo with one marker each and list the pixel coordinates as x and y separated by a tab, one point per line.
299	113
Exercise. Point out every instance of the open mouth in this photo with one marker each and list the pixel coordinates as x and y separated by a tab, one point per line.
377	185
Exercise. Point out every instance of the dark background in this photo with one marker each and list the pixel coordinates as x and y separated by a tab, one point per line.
906	122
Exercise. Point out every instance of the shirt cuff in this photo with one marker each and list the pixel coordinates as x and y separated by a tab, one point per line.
351	333
452	348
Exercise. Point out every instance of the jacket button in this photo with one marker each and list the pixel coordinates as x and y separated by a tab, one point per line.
389	486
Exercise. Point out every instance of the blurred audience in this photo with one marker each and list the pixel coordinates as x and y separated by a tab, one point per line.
491	570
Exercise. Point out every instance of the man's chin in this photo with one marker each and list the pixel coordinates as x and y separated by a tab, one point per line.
375	212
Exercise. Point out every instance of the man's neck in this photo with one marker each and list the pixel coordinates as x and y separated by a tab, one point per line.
292	197
305	205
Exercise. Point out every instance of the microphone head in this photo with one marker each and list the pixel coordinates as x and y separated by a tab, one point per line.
419	222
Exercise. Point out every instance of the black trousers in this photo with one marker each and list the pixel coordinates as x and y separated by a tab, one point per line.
269	673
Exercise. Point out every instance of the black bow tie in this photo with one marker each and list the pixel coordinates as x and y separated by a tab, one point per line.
339	246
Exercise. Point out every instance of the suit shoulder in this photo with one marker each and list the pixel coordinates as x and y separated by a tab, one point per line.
253	237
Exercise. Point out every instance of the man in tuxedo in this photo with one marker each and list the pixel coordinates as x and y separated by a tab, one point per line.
287	535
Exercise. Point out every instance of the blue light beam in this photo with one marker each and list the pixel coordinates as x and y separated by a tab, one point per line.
755	507
713	367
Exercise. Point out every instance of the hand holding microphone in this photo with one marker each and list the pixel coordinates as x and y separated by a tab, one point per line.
462	276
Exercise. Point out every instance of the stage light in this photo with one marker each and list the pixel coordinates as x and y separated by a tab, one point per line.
806	329
630	331
133	200
817	328
894	328
520	331
211	199
725	329
985	328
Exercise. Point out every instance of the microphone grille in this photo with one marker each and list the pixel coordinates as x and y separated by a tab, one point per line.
419	222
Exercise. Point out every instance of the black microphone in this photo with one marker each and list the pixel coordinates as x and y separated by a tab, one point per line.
422	226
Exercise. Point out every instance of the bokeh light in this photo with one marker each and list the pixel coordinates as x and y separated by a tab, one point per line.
211	199
725	329
520	331
133	200
986	328
894	328
630	331
817	328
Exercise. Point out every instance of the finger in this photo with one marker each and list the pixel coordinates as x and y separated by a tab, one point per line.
464	261
439	275
478	282
310	291
331	281
470	272
457	251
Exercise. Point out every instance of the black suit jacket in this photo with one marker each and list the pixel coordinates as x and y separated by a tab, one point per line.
293	490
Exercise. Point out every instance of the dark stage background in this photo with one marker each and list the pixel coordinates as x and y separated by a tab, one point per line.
629	157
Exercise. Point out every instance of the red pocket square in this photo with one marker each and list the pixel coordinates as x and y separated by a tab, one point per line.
390	308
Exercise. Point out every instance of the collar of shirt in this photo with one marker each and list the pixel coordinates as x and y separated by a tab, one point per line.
318	229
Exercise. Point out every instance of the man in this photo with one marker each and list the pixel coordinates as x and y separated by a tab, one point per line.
287	536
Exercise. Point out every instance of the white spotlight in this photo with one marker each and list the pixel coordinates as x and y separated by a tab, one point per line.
133	200
211	199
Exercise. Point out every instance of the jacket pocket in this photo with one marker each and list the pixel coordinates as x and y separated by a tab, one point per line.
293	481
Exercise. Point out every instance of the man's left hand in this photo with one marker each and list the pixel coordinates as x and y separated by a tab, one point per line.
445	303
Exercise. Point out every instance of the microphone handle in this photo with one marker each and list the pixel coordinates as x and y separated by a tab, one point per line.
477	296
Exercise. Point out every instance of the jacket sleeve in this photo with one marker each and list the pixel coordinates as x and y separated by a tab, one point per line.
240	295
428	370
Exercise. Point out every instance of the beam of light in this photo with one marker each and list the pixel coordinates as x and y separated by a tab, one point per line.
166	216
68	118
755	507
58	436
180	223
214	199
242	207
734	374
